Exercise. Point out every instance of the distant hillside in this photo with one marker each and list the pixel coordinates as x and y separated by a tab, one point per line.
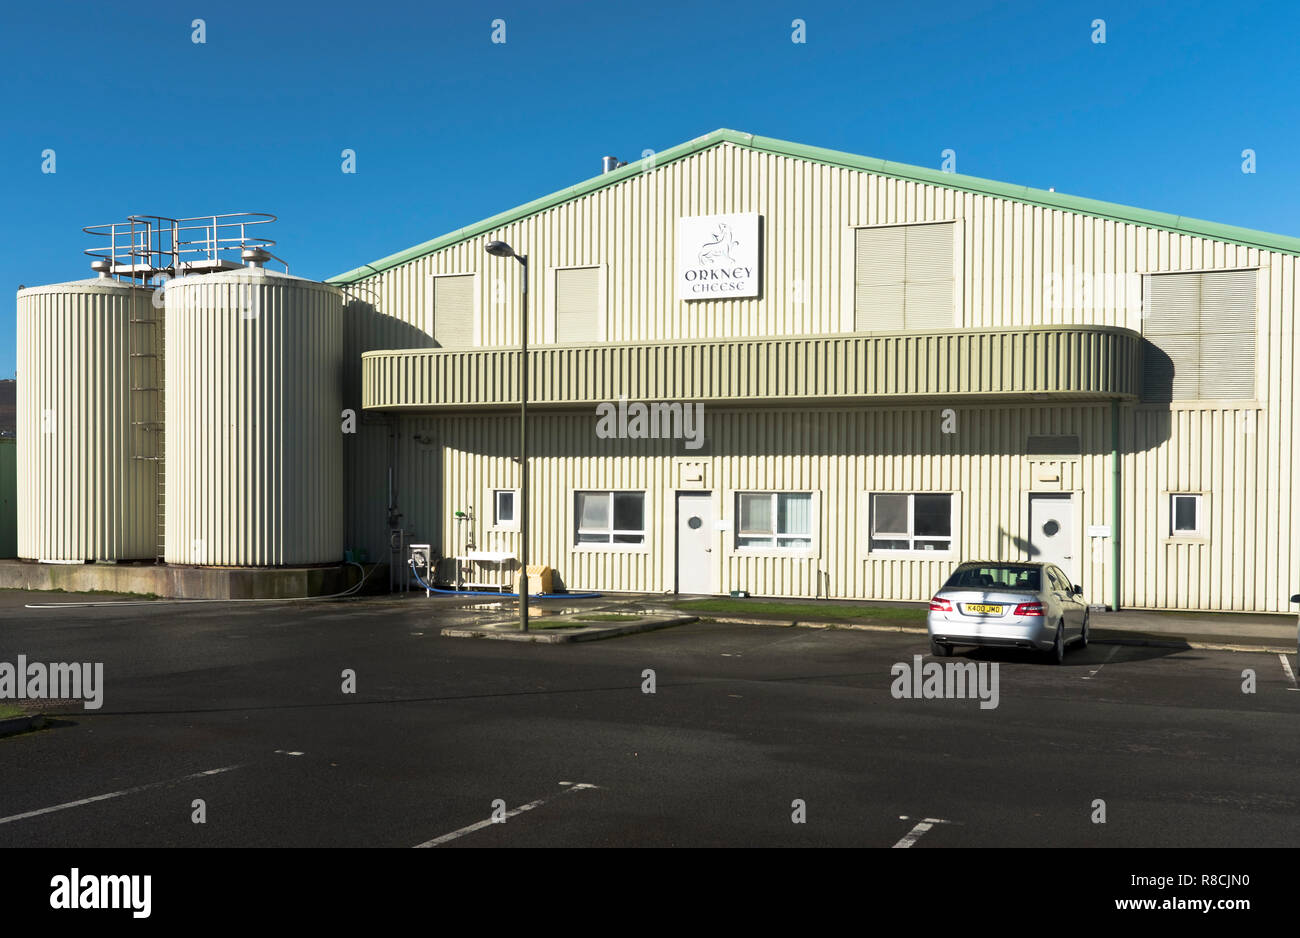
8	408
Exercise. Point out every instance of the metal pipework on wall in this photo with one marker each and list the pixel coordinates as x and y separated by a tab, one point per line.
1116	496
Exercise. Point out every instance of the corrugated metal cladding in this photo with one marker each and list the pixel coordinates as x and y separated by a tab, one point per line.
366	452
842	453
1015	260
1017	265
1067	361
254	419
81	493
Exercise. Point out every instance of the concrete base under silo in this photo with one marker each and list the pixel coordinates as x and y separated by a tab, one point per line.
178	582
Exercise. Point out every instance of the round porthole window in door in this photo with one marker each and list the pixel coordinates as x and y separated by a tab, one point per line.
1050	528
694	522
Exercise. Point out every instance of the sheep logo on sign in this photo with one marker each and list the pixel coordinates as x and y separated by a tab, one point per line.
720	248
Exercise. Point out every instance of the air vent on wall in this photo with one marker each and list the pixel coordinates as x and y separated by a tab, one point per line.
1052	446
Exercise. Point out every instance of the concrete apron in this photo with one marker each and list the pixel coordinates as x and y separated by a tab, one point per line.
176	582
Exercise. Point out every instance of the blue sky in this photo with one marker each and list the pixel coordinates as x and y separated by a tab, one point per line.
449	127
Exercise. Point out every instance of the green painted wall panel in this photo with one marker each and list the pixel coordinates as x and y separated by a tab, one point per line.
8	498
1096	361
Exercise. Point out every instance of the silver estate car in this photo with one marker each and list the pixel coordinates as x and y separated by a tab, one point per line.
1010	605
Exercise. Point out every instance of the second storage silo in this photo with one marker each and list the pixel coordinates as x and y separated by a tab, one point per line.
253	406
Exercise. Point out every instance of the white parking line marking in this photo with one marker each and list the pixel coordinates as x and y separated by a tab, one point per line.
915	833
286	752
1093	673
1286	666
447	838
116	794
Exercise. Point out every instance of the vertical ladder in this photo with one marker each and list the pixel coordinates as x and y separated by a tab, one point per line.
147	423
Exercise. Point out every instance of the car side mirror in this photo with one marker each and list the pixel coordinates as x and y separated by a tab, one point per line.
1078	590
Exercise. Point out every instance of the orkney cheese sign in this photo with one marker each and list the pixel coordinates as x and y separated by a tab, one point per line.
717	256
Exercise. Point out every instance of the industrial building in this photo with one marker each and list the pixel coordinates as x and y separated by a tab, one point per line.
753	365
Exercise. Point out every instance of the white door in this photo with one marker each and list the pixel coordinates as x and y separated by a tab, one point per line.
695	542
1051	531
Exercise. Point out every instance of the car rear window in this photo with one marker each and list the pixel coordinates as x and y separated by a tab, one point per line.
999	576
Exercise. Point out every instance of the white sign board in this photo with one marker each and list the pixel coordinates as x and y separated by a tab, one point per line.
1099	530
717	256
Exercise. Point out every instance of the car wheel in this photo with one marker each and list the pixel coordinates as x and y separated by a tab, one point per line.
1083	633
940	651
1058	647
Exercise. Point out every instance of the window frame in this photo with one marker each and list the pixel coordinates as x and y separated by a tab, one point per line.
1172	531
1260	395
496	524
611	546
476	315
911	553
551	318
734	548
849	260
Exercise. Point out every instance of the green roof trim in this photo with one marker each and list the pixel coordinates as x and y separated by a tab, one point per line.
1178	224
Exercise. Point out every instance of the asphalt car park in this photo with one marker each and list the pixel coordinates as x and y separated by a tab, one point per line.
242	707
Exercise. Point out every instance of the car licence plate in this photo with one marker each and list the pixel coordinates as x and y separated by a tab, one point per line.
984	609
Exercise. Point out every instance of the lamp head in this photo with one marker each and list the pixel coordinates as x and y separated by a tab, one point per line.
499	249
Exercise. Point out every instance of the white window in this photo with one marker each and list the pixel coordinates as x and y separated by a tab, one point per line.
505	515
774	521
1185	518
912	521
609	517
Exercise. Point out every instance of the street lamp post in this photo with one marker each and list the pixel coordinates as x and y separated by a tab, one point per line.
501	249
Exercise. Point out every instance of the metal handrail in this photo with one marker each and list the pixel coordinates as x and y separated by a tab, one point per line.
145	246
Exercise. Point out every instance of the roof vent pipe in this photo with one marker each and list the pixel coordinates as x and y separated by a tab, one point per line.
254	257
103	267
608	164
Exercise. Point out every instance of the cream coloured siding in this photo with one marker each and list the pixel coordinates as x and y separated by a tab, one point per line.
843	454
1011	253
577	305
81	492
1239	448
840	455
1201	330
453	311
903	278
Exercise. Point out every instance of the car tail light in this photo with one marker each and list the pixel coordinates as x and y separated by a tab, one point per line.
940	605
1029	609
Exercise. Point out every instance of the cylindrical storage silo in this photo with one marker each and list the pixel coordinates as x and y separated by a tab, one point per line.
254	463
87	404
